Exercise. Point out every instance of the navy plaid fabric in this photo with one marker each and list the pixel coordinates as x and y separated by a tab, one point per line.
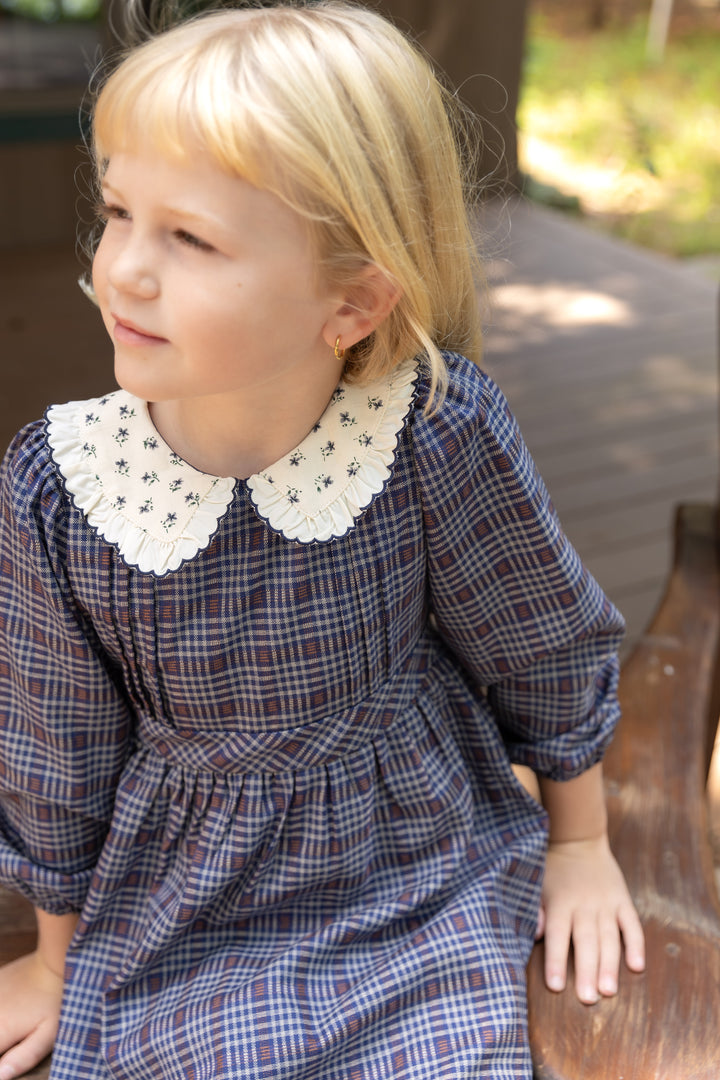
277	782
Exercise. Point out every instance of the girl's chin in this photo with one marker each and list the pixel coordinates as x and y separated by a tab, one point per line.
137	377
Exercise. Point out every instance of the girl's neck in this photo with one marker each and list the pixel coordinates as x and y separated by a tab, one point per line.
241	435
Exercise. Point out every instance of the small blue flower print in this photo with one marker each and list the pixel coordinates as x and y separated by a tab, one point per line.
122	467
323	482
317	427
89	450
120	502
375	403
169	521
175	459
296	457
346	419
150	444
327	450
292	495
150	478
121	436
145	507
126	412
353	468
91	418
365	439
338	394
103	401
192	498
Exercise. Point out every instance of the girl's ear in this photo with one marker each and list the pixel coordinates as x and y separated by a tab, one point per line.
367	302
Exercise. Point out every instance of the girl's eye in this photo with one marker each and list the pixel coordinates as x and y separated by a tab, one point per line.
112	212
107	212
193	241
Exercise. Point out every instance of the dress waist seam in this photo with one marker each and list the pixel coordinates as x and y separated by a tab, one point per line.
304	747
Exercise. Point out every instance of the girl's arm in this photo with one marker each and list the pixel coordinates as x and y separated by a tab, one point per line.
512	600
585	898
31	991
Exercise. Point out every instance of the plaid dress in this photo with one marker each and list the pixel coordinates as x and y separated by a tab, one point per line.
272	769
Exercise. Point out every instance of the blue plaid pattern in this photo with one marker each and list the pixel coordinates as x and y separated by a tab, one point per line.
276	783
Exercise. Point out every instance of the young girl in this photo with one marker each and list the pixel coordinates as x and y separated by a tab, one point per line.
279	613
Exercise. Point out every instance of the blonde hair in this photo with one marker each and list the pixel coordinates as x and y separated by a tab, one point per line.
330	108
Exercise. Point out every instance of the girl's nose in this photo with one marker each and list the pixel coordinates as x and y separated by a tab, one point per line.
131	271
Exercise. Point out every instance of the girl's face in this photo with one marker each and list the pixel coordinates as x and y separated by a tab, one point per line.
206	284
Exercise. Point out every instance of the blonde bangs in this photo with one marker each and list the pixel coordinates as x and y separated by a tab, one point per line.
172	93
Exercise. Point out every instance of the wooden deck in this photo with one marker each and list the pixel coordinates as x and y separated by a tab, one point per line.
607	354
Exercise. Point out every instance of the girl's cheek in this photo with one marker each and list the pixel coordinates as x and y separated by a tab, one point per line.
101	266
98	282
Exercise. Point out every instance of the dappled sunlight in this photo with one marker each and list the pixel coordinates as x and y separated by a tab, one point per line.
560	306
610	186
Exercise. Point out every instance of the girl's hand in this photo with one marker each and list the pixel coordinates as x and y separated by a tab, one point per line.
585	901
30	998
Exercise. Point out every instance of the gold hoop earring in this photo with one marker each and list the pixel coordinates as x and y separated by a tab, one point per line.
339	353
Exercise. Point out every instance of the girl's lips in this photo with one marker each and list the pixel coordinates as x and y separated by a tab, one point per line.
128	334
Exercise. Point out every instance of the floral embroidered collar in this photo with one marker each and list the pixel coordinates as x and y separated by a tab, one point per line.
160	512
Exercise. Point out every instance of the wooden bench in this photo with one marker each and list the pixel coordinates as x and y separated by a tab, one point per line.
663	798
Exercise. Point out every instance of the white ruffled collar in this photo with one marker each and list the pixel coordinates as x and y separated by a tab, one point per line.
160	512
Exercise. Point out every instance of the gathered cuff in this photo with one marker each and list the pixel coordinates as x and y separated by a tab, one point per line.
51	890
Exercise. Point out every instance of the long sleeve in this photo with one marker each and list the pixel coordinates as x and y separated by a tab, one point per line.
509	594
64	723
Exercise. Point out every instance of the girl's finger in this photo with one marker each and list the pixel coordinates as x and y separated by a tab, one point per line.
557	947
27	1054
586	946
633	937
610	950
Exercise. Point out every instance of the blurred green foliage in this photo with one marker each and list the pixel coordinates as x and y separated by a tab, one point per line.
52	10
598	99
